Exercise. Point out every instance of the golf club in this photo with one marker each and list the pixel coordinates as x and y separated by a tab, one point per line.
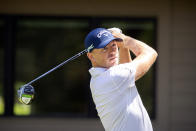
26	92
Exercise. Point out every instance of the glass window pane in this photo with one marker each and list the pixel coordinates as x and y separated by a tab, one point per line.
41	45
1	66
143	30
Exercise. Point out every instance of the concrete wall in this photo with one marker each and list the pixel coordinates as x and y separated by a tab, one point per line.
176	85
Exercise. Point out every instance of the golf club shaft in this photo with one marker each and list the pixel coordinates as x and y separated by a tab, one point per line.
58	66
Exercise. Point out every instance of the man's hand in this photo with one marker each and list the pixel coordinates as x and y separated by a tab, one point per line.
124	53
116	32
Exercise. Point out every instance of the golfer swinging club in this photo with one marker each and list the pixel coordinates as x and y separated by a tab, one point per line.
113	76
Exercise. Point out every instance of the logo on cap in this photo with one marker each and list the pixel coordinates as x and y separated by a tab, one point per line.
103	32
90	47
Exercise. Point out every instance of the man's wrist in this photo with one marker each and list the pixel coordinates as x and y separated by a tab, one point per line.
127	41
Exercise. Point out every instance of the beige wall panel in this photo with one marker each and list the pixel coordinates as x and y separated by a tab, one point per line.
183	66
162	122
49	124
79	7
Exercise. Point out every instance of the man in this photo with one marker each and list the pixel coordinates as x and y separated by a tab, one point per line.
112	84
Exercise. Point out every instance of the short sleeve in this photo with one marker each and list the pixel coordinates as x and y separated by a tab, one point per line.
123	75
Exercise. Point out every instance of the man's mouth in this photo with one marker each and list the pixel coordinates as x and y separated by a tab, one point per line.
112	58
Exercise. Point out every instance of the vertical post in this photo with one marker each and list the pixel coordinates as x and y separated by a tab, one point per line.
9	64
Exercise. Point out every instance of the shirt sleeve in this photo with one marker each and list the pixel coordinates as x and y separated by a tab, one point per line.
123	75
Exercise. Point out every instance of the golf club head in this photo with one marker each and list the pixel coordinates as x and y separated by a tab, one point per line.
26	94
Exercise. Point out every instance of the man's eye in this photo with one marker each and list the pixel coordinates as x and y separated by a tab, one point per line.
105	48
114	45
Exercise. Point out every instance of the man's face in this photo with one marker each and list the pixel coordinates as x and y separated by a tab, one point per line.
105	57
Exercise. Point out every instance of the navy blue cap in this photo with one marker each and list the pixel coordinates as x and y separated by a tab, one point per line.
99	38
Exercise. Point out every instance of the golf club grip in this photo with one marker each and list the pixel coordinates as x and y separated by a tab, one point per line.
58	66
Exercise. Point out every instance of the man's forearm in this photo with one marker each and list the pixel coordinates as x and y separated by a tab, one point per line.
136	46
124	55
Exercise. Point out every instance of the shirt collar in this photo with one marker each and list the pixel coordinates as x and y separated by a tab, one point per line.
94	71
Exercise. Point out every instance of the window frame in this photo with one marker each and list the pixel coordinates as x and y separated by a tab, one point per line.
94	22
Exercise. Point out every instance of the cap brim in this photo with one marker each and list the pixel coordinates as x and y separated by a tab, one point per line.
106	42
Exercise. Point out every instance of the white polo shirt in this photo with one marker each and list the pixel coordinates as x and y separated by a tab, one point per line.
117	101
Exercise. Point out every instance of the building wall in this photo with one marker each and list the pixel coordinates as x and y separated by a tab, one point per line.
176	85
49	124
183	63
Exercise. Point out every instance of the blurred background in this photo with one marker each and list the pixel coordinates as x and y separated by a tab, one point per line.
37	35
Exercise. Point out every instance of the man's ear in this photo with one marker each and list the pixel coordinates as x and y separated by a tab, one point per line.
90	56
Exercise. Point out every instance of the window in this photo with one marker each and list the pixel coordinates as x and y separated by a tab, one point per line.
44	42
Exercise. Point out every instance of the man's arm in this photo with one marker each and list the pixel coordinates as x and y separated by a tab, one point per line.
124	55
145	55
